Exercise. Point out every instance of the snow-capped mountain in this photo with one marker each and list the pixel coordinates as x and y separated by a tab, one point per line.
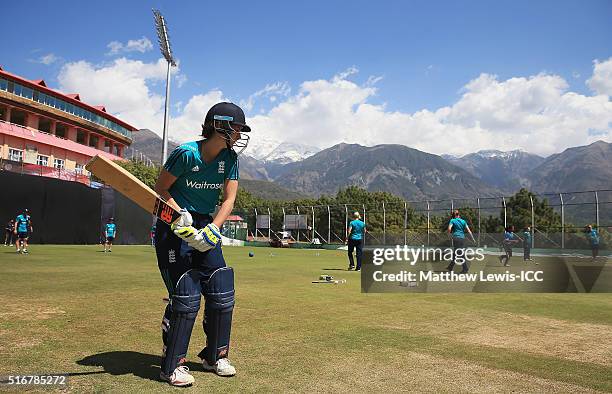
260	146
492	153
290	152
272	151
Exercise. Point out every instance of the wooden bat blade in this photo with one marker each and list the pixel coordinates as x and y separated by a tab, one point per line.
133	188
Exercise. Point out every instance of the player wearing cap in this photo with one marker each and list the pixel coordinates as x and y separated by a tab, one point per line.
23	228
110	231
354	240
189	253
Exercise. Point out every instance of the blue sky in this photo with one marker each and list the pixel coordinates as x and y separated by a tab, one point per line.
401	57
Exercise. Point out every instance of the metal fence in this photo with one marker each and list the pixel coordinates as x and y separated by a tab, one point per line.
20	167
425	222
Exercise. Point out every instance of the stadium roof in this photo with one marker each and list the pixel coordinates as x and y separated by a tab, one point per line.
73	98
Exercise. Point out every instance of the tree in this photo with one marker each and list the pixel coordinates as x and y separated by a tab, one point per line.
519	212
148	175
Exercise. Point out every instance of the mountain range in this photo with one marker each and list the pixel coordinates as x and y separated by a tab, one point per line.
506	171
147	143
288	170
397	169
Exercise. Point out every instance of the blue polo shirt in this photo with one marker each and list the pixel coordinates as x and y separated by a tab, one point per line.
23	223
110	229
594	237
527	237
357	229
199	184
458	227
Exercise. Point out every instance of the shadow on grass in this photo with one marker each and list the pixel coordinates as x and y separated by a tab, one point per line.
145	366
334	269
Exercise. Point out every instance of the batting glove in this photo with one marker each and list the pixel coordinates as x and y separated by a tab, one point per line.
194	237
182	226
187	233
185	219
211	234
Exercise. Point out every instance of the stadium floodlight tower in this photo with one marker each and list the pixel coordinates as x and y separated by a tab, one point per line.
164	47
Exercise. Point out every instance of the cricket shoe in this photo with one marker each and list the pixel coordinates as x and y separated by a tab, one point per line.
180	377
222	367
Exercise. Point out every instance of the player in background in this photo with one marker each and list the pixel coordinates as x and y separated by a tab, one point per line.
8	237
527	244
510	238
110	231
593	237
354	239
23	228
153	235
189	253
457	227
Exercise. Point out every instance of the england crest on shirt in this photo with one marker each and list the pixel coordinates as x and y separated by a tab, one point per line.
221	169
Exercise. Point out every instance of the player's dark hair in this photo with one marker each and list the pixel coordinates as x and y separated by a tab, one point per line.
208	130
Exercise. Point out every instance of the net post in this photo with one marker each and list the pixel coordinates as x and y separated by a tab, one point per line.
405	223
328	225
562	221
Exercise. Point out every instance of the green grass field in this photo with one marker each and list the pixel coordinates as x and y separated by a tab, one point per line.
96	316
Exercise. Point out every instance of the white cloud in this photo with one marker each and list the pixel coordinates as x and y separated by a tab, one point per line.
537	114
122	86
181	79
47	59
188	125
141	45
270	90
601	81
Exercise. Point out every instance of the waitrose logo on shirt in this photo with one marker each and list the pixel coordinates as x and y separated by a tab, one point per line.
203	185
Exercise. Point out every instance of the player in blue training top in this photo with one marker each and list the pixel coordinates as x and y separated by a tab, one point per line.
510	238
527	244
110	231
457	228
153	235
189	253
593	240
23	228
354	239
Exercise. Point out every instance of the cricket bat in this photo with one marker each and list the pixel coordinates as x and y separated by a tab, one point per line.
131	187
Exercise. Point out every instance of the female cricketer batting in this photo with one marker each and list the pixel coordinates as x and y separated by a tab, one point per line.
189	253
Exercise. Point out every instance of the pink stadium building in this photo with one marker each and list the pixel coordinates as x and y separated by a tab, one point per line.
45	132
